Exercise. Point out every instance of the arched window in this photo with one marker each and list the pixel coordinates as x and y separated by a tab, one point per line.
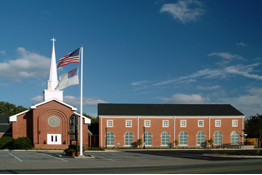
234	137
165	138
110	137
147	137
218	138
183	138
200	138
128	139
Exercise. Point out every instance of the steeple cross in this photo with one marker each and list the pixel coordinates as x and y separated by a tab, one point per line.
53	40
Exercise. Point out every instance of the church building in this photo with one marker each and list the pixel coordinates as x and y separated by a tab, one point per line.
47	123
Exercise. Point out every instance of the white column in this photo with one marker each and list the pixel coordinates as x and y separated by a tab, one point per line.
137	129
174	130
209	130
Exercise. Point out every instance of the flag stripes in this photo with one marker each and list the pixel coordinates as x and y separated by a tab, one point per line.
72	57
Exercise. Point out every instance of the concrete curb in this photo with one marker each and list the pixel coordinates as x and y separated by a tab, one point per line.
233	156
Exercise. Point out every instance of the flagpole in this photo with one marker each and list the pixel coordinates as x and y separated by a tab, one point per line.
81	105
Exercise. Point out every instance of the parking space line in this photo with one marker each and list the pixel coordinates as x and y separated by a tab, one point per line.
105	158
55	157
16	157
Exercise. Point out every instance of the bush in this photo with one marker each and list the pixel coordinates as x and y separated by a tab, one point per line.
6	142
72	148
22	143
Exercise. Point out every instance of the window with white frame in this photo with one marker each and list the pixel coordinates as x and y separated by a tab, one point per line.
128	139
218	123
183	138
200	138
183	123
165	138
128	123
200	123
218	138
234	138
147	123
147	137
109	123
110	139
165	123
234	123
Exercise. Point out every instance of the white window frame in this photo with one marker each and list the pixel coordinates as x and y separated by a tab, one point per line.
216	123
199	121
54	139
167	122
130	123
108	123
148	122
181	123
233	123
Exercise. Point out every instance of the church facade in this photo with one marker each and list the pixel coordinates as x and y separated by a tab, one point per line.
47	123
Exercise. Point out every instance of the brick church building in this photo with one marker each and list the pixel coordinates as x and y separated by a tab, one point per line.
46	123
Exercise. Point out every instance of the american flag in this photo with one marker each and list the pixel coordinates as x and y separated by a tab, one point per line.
72	57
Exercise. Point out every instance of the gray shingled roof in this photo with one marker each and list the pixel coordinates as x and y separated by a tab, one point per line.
168	109
5	126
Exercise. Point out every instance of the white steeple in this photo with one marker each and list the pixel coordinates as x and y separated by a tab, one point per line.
52	82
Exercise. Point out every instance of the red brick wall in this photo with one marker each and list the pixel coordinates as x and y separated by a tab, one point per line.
156	129
34	124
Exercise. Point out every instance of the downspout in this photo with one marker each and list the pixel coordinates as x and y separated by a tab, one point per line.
137	129
209	130
101	133
174	131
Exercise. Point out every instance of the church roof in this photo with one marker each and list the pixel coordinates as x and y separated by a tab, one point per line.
168	109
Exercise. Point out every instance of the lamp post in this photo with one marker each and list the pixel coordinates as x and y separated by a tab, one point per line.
144	138
106	137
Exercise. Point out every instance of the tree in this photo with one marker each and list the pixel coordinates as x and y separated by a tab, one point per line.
10	109
253	127
93	119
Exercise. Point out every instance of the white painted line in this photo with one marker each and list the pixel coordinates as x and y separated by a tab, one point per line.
105	158
55	157
16	157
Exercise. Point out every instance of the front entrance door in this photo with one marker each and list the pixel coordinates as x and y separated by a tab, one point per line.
54	139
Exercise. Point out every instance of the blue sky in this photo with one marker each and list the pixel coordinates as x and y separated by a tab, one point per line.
162	51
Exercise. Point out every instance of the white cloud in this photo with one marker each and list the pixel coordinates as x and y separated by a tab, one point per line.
247	104
2	52
138	83
74	101
185	99
208	87
91	101
3	84
225	55
255	91
27	65
183	10
242	70
38	98
241	44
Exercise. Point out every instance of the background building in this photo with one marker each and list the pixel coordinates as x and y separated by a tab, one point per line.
159	125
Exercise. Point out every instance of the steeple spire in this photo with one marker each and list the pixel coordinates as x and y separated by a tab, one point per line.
52	82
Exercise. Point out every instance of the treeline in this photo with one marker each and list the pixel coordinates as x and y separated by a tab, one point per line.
10	109
253	128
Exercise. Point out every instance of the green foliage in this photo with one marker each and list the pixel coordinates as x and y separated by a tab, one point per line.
253	127
139	142
176	142
22	143
10	109
5	142
72	148
93	119
211	141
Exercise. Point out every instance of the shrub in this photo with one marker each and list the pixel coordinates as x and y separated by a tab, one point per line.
22	143
176	142
139	142
5	142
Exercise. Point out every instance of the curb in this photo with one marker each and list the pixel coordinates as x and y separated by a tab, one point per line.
233	156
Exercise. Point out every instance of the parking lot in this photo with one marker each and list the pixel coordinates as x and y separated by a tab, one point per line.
128	161
59	156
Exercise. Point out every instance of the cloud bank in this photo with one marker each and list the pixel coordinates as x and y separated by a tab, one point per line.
27	65
184	11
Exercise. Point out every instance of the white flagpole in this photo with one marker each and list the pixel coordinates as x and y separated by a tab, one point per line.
81	105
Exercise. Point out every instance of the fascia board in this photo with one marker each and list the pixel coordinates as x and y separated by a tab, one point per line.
87	120
13	118
72	108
